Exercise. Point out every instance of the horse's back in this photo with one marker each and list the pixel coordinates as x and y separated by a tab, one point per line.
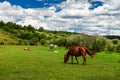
74	50
82	48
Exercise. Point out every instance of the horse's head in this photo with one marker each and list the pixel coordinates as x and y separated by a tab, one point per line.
66	58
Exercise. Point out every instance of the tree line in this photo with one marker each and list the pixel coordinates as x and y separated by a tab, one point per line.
28	35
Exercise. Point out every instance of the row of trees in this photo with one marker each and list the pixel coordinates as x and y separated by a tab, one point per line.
28	35
96	43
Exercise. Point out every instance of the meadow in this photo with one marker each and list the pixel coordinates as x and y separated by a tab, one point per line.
41	63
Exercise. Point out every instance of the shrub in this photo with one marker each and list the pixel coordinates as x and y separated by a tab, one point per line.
115	41
61	42
43	42
118	48
110	47
92	42
100	44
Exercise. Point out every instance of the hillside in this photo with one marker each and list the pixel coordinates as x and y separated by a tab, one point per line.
112	37
29	35
12	33
7	37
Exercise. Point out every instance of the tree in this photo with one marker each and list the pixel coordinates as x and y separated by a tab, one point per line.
1	24
41	29
100	44
115	41
118	48
26	35
43	42
110	47
11	25
6	28
30	28
61	42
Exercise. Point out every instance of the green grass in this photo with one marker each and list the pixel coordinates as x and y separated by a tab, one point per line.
43	64
6	36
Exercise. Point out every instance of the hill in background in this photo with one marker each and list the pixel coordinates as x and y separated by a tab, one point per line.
7	38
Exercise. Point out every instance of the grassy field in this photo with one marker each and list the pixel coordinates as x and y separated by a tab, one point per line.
43	64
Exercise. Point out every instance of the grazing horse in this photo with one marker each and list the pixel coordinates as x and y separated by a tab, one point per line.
78	51
27	49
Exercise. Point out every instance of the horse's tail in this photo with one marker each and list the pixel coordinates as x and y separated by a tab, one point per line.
89	52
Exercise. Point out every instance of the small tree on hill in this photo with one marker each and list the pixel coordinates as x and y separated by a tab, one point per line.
41	29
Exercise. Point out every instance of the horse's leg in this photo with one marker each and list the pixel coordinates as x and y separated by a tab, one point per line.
71	58
76	59
84	59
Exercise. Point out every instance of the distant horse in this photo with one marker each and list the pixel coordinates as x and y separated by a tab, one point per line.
78	51
27	49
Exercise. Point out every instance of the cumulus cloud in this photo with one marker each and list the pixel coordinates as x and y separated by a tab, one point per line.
23	16
74	15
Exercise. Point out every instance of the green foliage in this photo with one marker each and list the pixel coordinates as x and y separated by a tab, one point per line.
6	28
7	38
32	35
92	42
118	48
41	29
112	37
113	45
100	44
1	24
28	35
110	47
60	42
115	41
30	28
43	42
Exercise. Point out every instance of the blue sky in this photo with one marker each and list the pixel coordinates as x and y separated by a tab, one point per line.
46	3
84	16
34	3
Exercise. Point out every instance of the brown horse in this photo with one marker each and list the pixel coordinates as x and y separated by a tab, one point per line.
78	51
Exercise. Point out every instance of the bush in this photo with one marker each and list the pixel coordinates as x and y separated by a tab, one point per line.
43	42
74	40
61	42
92	42
110	47
118	48
115	41
99	44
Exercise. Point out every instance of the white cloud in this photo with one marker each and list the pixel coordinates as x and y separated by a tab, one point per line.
74	14
22	16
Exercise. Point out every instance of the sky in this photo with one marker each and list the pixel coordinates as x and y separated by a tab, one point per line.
101	17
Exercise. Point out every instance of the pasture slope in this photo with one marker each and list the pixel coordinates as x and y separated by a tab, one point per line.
43	64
